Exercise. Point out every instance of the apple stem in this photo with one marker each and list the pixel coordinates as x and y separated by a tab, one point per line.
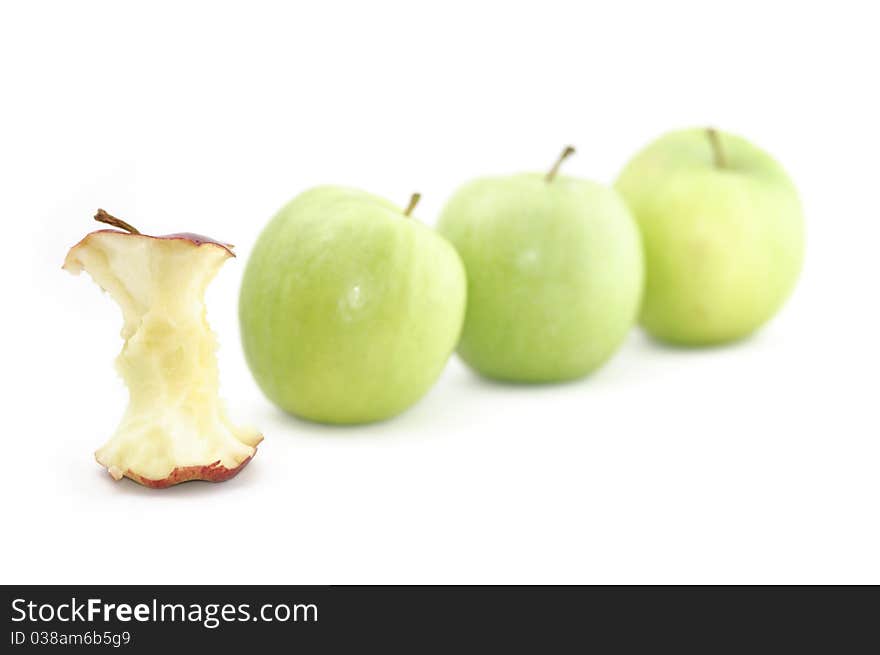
104	217
566	153
413	201
717	151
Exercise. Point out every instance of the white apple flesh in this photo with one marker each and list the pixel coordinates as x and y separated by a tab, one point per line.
175	428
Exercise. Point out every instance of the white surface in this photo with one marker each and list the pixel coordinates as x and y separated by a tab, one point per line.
753	463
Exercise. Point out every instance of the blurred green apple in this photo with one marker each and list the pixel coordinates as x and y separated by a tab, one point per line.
349	309
723	233
554	269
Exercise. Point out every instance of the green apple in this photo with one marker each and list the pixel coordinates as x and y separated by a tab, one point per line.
554	268
349	308
723	233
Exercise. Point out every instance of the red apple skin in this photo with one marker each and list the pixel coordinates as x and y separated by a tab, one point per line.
209	473
197	239
191	237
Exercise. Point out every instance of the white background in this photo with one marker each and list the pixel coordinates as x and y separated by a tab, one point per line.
755	463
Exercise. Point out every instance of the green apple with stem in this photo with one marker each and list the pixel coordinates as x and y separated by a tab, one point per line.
349	308
723	232
554	268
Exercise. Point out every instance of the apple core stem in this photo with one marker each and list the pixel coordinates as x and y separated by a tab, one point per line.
566	153
413	201
717	151
104	217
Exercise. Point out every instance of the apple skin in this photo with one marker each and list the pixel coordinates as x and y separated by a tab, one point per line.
349	309
187	237
214	472
554	275
724	244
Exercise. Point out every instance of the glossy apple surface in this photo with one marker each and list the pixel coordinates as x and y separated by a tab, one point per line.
349	308
554	272
723	232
